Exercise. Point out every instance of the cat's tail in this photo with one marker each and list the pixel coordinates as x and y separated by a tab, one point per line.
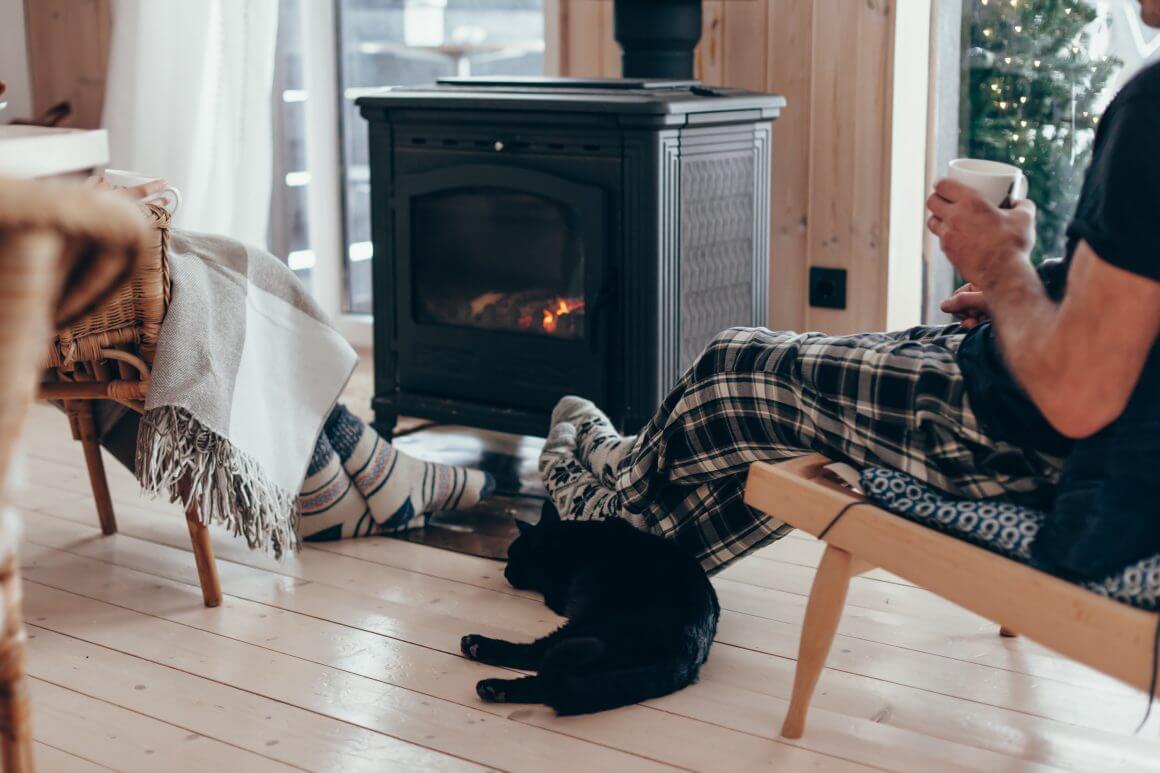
571	689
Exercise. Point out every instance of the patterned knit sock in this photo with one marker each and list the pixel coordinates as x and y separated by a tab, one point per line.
332	508
599	447
400	490
574	490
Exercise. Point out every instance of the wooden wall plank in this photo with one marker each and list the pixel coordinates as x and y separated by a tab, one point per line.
609	48
563	30
581	28
835	124
868	279
746	44
709	66
789	72
68	56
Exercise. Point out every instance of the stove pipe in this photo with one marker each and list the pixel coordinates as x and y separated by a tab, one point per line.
657	37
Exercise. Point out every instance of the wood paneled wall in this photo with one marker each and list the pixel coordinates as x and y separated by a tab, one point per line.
68	56
832	60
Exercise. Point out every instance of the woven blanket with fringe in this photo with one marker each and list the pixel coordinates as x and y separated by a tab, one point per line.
247	369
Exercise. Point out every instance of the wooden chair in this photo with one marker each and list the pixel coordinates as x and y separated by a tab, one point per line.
1099	632
107	355
63	249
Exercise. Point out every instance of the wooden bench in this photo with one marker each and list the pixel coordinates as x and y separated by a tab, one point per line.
1099	632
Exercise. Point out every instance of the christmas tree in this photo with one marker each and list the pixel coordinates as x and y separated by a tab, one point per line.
1032	92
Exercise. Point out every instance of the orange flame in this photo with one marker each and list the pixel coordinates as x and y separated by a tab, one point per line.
563	307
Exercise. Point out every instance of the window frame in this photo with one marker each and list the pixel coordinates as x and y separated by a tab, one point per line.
945	76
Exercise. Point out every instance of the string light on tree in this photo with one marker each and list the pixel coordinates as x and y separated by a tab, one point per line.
1034	92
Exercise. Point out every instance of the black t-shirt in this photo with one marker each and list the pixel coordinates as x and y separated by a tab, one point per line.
1107	508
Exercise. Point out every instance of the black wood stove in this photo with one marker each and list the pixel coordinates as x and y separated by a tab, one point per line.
536	238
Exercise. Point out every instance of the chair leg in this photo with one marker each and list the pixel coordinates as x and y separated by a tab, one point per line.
15	724
207	574
85	430
827	597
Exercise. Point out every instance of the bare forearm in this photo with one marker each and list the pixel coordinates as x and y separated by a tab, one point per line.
1027	325
1079	360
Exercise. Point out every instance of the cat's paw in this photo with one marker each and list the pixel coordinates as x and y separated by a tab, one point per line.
473	645
492	690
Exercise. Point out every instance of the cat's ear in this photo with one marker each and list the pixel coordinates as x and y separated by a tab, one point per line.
523	527
549	513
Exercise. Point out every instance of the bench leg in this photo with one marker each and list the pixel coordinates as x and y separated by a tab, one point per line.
827	597
85	430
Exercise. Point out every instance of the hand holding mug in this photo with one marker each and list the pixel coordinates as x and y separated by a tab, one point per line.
978	237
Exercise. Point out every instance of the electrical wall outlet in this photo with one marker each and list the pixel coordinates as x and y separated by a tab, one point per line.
827	288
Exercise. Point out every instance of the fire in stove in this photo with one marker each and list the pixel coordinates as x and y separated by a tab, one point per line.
526	311
565	307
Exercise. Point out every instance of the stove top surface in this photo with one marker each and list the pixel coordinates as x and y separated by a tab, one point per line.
604	95
547	82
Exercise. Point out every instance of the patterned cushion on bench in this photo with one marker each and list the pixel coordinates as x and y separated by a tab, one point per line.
998	526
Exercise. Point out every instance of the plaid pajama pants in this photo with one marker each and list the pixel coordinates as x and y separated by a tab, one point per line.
876	399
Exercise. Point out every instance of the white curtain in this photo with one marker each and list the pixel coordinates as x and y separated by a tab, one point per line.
188	99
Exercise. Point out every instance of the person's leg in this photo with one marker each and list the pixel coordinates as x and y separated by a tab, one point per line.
948	335
330	505
353	486
896	400
400	490
601	449
576	492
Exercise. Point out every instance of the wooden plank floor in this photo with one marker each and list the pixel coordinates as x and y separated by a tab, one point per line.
345	657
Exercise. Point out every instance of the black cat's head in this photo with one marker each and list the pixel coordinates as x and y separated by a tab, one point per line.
530	557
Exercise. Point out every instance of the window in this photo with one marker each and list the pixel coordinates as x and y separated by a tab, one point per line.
289	234
1037	75
407	42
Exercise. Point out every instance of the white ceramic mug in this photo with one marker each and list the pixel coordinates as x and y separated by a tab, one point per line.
169	198
994	181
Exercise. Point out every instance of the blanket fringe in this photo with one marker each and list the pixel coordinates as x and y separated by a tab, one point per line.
226	484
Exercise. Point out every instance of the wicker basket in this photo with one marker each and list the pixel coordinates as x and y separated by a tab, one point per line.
108	353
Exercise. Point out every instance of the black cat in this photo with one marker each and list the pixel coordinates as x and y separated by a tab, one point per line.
641	617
